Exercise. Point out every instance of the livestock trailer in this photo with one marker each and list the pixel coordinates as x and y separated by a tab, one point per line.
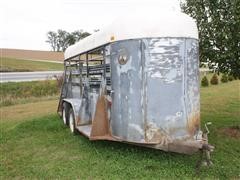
136	81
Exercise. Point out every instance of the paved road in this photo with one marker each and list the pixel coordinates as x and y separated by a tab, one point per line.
28	76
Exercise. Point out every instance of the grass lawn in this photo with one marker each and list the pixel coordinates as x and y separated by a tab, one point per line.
35	144
20	65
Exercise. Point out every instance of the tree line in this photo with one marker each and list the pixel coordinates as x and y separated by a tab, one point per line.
61	39
218	24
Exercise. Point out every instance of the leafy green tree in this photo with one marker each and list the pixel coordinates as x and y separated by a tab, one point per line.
61	39
80	34
218	24
52	39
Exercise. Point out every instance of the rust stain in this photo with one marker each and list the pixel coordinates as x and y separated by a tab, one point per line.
100	123
184	146
59	110
78	120
173	131
104	137
193	123
155	135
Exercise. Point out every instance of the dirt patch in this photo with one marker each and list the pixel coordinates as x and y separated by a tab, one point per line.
233	131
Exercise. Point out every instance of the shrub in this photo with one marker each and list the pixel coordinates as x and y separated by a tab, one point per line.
230	78
224	78
204	81
214	79
11	91
59	80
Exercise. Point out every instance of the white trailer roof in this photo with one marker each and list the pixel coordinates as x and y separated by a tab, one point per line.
135	25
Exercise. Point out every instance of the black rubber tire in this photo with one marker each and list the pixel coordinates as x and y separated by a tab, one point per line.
65	113
72	123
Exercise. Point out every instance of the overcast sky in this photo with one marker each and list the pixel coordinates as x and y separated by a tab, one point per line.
25	23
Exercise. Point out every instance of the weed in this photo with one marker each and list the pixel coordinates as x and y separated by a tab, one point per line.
59	80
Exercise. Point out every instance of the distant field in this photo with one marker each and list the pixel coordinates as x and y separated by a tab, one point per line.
34	144
32	54
19	65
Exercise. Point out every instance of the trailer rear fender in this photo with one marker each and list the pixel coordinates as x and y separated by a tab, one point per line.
75	105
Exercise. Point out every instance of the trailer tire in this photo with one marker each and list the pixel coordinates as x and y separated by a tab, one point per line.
65	113
72	124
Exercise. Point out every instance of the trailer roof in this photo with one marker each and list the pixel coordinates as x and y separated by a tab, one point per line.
138	24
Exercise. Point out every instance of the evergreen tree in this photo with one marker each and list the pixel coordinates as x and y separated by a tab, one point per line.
204	81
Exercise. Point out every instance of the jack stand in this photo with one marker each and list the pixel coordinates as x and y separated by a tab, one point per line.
205	158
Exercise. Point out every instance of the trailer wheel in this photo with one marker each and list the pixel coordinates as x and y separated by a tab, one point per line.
72	121
65	113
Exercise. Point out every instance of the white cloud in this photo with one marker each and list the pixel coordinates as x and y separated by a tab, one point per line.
24	23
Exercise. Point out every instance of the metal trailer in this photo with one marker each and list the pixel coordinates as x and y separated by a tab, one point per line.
136	81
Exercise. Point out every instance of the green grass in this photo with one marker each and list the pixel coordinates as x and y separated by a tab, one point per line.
43	148
22	92
20	65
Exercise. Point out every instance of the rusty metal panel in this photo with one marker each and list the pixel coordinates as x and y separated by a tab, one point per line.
165	109
127	121
172	90
192	86
84	110
156	91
